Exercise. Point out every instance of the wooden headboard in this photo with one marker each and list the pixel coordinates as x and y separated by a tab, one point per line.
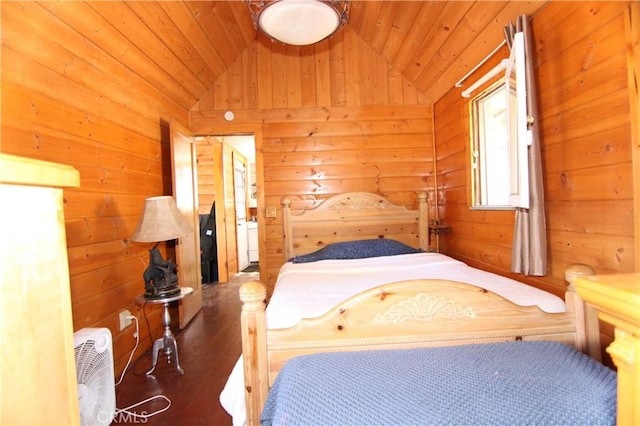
353	216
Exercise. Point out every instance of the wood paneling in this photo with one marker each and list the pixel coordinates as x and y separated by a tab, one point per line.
586	148
334	117
398	52
585	144
78	90
342	71
632	30
311	154
95	84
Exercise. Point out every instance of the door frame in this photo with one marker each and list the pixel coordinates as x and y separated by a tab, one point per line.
255	129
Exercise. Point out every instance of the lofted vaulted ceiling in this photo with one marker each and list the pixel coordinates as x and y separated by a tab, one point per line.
431	43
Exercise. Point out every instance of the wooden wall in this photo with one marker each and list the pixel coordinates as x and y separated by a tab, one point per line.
586	147
94	85
328	118
343	71
66	100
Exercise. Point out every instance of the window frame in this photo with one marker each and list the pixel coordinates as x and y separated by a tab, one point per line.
516	136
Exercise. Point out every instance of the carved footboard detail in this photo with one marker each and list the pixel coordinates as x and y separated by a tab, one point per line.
425	308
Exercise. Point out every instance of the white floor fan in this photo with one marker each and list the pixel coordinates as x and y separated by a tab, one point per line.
94	371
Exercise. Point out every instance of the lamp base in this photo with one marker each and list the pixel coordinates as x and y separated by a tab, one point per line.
160	278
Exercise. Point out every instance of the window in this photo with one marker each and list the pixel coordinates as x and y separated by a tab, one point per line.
499	138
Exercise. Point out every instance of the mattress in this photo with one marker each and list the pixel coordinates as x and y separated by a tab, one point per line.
307	290
534	382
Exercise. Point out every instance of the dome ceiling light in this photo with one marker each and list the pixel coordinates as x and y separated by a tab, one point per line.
299	22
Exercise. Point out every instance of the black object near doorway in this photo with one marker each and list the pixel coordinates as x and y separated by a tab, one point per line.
208	246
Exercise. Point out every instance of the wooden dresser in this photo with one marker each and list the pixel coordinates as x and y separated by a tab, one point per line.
617	299
37	365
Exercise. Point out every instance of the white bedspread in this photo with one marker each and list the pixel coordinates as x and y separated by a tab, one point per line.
307	290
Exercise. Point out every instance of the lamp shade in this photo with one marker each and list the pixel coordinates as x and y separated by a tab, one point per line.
160	221
299	22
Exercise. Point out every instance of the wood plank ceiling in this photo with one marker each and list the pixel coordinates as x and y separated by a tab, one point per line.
432	43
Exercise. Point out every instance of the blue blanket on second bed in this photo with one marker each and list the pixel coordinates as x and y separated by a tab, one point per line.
531	383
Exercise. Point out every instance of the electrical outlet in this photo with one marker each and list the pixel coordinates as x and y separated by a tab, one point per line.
270	212
125	321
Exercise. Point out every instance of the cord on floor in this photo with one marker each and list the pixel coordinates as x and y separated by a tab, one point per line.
126	410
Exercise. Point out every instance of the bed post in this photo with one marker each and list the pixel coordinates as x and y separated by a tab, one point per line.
423	221
587	324
254	349
287	237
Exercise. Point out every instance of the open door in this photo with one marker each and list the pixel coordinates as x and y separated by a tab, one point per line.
185	191
240	195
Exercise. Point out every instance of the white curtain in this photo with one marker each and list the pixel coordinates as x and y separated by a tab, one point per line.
529	249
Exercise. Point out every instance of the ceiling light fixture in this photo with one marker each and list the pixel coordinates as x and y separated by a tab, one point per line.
299	22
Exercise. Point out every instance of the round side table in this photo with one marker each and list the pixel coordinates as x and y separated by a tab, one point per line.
168	341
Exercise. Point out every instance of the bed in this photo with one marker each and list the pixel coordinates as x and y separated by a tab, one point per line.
506	383
521	382
394	301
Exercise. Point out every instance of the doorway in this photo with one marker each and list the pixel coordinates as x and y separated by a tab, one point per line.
226	170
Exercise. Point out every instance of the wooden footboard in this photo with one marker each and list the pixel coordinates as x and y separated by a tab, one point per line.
417	313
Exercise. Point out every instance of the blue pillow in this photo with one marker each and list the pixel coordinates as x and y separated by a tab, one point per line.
357	250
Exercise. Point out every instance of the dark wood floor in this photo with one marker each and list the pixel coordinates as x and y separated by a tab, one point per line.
208	349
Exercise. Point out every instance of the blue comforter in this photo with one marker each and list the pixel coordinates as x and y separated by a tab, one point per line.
534	383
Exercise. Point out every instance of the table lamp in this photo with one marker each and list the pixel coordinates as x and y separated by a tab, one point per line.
160	221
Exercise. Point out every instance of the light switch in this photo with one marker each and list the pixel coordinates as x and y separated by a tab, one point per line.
271	212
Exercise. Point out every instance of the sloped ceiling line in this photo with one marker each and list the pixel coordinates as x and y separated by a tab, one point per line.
431	43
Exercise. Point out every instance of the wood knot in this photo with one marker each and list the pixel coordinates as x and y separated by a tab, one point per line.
563	178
